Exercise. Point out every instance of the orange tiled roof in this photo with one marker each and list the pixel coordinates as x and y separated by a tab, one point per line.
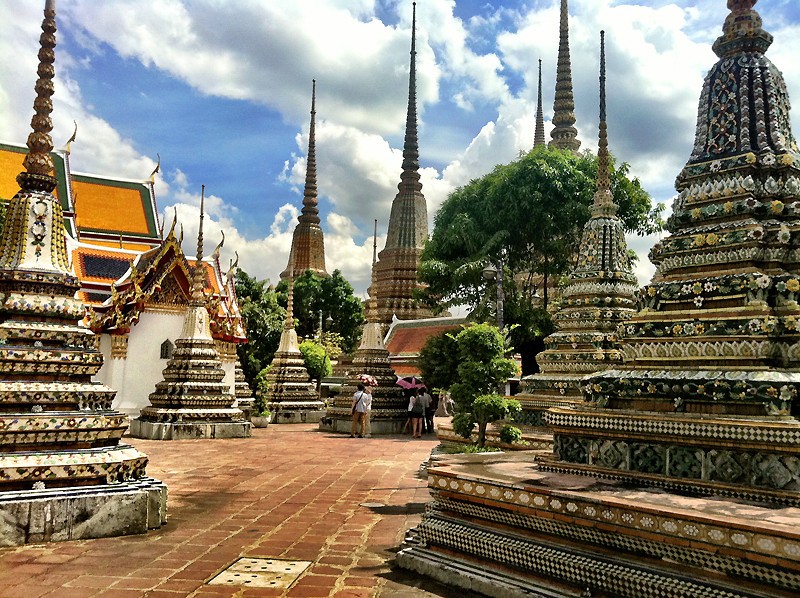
409	337
109	205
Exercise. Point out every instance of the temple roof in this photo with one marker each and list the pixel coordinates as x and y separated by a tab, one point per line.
159	279
104	210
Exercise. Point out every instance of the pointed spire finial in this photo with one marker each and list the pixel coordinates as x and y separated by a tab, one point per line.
199	278
38	162
603	204
310	211
410	174
538	138
564	134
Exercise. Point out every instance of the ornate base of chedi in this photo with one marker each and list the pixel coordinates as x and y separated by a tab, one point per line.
192	401
521	532
292	399
389	405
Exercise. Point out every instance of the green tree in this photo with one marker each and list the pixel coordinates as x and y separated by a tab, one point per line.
438	361
482	368
527	215
263	320
316	359
330	296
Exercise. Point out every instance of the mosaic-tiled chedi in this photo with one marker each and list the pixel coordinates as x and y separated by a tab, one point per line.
308	245
396	270
192	400
64	474
292	397
389	405
707	398
599	296
504	526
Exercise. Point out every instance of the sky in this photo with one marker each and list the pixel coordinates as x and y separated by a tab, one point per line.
221	89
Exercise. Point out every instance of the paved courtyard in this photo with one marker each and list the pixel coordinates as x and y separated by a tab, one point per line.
332	508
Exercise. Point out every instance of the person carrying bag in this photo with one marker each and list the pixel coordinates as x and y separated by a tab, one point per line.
359	412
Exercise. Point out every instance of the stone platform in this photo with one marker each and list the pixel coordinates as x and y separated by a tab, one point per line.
387	422
518	531
188	430
287	413
33	517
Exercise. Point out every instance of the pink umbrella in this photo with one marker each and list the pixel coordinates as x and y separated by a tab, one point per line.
410	382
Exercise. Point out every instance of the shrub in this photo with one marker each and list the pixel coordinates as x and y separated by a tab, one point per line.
510	434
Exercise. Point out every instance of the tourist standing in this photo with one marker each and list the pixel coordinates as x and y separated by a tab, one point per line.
359	411
427	401
417	414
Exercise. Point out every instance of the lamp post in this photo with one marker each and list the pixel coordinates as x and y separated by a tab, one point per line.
490	272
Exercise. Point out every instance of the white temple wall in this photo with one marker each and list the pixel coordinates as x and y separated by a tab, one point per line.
136	376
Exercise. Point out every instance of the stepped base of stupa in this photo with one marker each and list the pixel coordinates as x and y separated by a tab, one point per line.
300	412
499	526
60	514
382	422
189	430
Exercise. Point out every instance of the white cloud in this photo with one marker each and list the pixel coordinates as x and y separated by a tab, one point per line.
267	52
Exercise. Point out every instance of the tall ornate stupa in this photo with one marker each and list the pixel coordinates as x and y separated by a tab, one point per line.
679	475
308	246
538	136
564	134
292	397
192	401
714	353
389	405
396	270
64	472
599	297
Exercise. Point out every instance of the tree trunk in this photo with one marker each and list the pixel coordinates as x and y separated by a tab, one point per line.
482	434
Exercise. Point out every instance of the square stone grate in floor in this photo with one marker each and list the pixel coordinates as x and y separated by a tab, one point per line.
261	573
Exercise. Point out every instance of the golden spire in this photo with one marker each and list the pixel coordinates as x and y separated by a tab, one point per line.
38	163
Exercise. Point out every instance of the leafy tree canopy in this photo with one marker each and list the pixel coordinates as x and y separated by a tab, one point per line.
527	215
263	319
332	296
316	359
482	368
438	361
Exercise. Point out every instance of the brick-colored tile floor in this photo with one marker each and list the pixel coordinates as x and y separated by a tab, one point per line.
289	492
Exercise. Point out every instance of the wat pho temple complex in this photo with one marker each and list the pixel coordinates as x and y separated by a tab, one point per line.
666	460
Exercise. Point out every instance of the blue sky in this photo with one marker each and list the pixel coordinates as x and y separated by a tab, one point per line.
221	90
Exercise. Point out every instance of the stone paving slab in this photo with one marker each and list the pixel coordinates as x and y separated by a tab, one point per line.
289	492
